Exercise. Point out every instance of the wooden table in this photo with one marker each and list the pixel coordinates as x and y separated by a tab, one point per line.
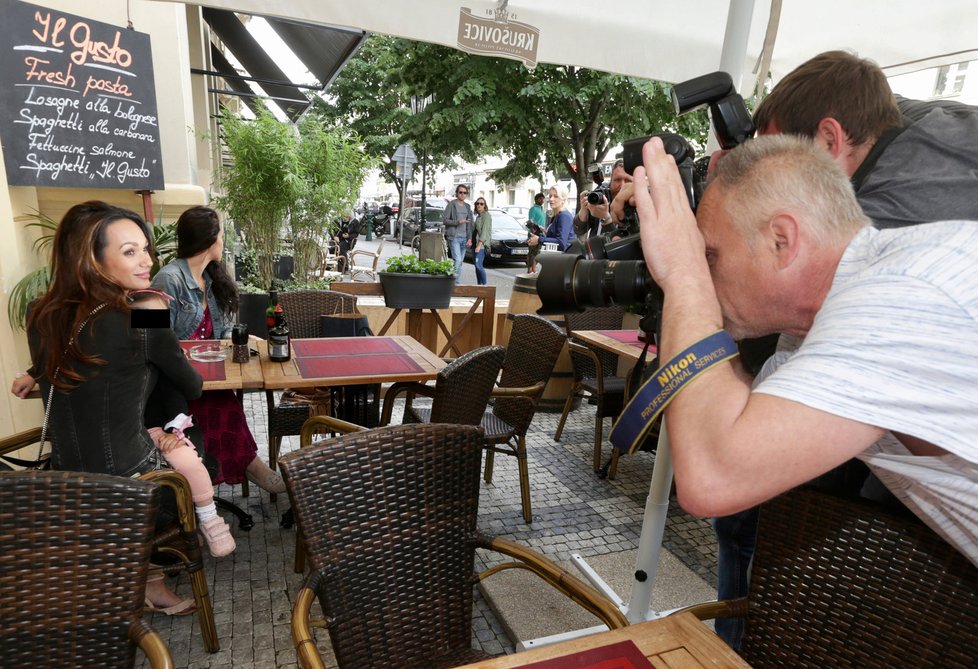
279	375
620	342
676	642
237	376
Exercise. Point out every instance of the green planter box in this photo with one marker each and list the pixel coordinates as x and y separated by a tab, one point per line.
416	291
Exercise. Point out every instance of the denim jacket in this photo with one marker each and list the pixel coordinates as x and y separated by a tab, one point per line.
187	305
98	426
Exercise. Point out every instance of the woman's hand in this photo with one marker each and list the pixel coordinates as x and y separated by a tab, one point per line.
533	240
23	383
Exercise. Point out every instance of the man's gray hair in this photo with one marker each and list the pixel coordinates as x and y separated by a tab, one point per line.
783	172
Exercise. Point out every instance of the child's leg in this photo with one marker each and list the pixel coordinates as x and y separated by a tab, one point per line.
185	460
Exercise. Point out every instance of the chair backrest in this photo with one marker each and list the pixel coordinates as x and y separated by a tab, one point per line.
534	345
302	309
462	387
598	318
394	558
841	583
73	562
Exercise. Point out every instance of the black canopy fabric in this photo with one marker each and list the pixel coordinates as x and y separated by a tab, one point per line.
322	49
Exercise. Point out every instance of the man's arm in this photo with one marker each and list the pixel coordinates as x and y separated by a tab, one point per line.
732	449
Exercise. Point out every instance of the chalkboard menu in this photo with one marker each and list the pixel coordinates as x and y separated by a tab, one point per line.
77	102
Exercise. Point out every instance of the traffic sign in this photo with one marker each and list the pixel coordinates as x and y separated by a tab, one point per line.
404	155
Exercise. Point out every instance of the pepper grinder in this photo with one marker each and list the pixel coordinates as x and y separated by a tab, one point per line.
239	343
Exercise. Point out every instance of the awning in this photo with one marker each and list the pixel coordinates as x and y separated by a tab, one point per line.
322	49
659	39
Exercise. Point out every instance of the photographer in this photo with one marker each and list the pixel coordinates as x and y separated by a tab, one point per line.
909	162
878	359
595	215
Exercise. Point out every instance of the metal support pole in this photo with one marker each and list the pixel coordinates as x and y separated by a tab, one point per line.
424	188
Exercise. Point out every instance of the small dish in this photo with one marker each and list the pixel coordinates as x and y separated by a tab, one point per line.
209	352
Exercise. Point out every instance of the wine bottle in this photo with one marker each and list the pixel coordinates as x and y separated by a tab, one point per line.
279	341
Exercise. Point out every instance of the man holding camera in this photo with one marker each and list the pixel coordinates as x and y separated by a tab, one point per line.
880	328
909	161
594	213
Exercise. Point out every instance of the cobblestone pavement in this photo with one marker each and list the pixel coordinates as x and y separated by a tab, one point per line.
574	511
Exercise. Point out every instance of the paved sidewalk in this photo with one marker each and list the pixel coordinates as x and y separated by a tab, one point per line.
253	589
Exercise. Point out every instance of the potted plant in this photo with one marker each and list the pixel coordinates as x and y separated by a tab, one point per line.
410	283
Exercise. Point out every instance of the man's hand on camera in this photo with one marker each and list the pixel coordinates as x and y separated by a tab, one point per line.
625	196
672	244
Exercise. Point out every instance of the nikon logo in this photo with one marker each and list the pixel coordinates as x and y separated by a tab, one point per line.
497	35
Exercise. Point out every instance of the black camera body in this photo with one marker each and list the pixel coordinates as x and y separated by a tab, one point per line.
600	195
598	272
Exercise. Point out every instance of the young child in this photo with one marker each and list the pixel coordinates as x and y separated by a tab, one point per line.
177	449
531	256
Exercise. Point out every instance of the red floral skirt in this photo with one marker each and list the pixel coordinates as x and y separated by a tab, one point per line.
227	436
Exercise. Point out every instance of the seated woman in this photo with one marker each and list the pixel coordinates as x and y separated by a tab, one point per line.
204	305
560	230
95	370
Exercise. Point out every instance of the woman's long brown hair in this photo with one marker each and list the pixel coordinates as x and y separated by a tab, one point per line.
78	286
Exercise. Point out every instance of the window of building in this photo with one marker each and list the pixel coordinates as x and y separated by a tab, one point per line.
950	79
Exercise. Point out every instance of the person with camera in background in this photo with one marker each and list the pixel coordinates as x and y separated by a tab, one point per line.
595	215
879	332
909	161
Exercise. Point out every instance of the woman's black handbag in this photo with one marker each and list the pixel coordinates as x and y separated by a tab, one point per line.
359	404
344	325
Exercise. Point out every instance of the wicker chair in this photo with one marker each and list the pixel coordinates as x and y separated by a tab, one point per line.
180	539
595	376
533	348
302	309
73	570
371	257
460	394
389	519
842	583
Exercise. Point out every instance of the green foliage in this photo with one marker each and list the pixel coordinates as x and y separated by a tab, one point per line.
553	118
261	182
409	264
332	166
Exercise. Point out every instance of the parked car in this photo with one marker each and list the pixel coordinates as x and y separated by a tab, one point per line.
520	213
508	239
412	221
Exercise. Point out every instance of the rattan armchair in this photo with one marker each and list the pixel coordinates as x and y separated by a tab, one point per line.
180	539
370	260
838	582
389	520
73	564
302	309
531	355
460	394
595	377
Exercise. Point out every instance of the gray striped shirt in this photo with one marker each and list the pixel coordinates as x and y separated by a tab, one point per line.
895	345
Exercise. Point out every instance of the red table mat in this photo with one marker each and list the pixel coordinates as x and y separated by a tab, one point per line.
343	346
209	371
624	336
621	655
355	365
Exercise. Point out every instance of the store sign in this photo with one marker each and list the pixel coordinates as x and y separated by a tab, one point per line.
77	102
496	32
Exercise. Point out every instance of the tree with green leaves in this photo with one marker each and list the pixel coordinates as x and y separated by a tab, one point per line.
554	118
260	182
332	165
